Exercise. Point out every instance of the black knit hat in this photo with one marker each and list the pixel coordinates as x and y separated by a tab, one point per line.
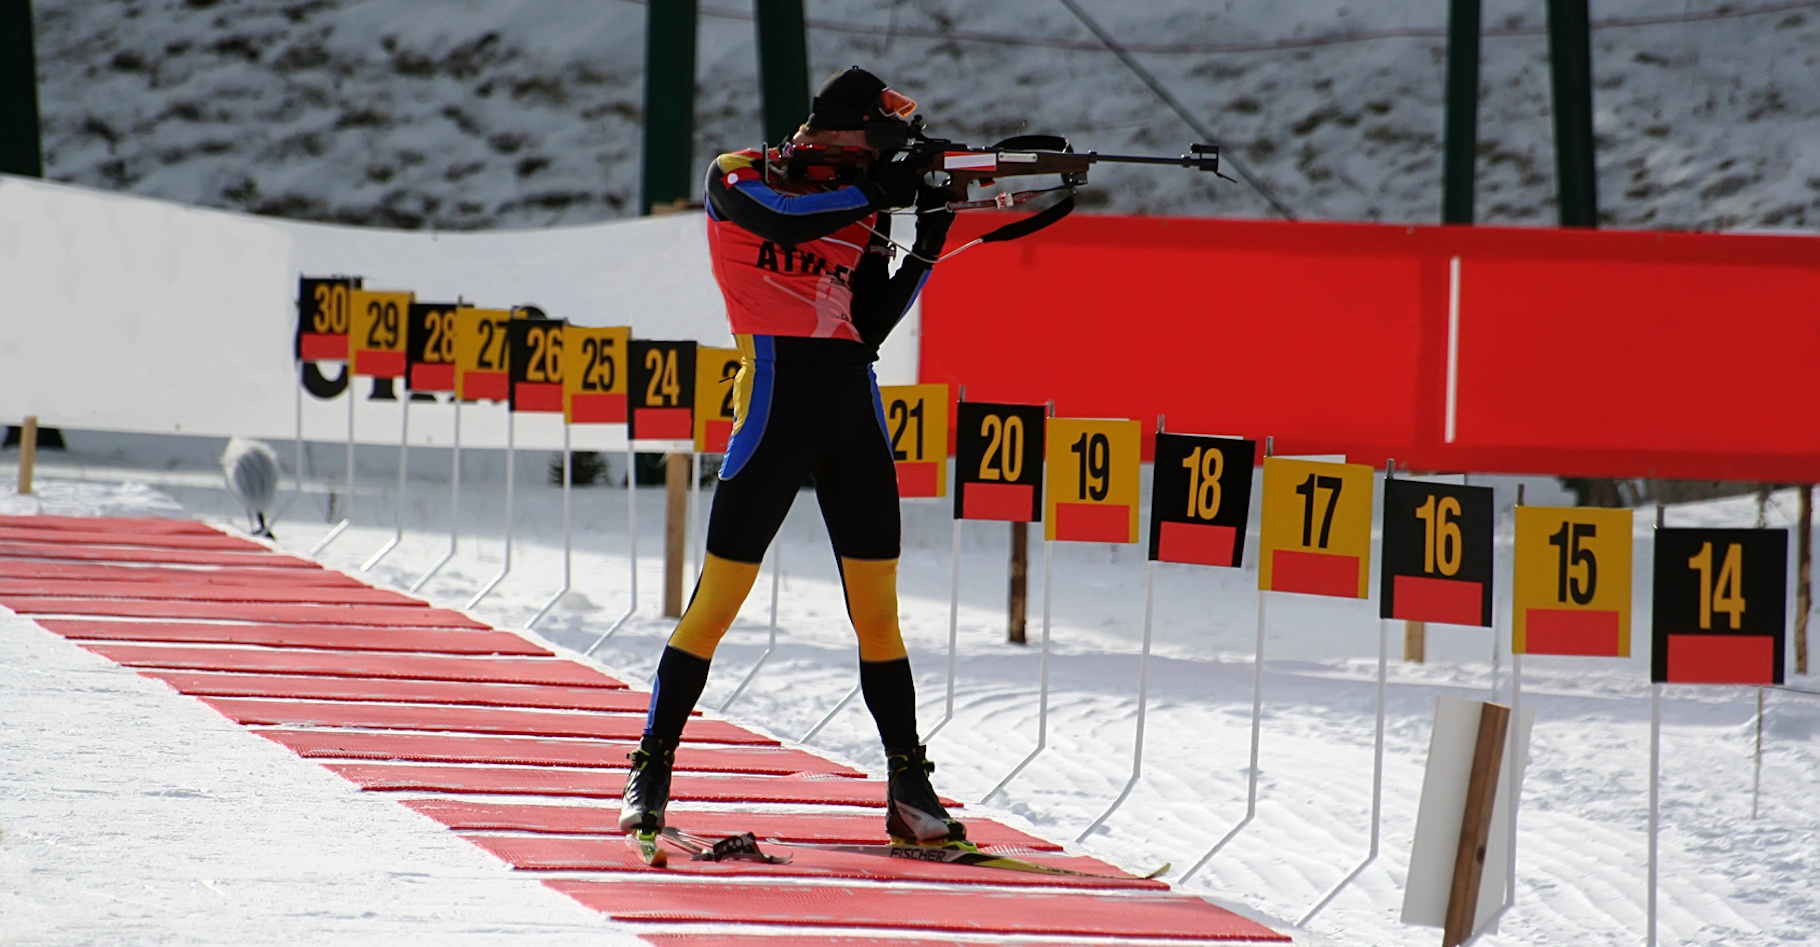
847	101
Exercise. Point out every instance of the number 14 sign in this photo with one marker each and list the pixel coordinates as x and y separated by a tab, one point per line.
1719	615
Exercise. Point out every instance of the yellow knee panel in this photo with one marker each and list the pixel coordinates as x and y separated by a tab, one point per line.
723	588
871	586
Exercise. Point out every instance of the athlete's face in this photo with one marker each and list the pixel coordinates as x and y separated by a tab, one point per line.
847	139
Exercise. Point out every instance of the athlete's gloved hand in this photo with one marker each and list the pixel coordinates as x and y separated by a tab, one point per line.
891	184
933	219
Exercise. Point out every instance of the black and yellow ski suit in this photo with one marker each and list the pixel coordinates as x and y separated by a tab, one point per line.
810	298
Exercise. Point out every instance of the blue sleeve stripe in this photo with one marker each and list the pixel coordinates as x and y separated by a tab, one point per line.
802	205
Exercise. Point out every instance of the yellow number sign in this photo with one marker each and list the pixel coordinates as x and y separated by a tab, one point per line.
1572	584
715	370
594	374
1092	485
481	354
916	421
1315	534
376	332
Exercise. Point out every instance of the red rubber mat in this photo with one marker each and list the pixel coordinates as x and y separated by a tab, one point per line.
323	637
164	557
546	781
554	696
241	575
385	616
975	912
91	524
545	751
430	667
600	820
169	591
494	720
556	853
209	540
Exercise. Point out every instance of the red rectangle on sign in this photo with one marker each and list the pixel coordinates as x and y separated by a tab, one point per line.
1721	659
1093	522
918	479
1314	573
429	377
321	347
716	435
379	364
1198	543
663	424
478	386
597	409
1571	631
998	501
1419	598
537	396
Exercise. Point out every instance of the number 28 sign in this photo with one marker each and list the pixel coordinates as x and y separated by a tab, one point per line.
1092	484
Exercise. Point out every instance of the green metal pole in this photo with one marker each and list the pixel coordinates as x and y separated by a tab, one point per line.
783	66
1570	65
20	149
1461	142
669	154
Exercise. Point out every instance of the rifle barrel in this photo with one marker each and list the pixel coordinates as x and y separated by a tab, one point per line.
1197	162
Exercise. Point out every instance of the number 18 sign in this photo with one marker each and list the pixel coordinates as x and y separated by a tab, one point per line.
1200	499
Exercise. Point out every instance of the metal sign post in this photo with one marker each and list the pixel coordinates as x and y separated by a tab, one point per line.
511	460
1257	718
454	505
631	544
954	617
1042	713
1377	781
1137	751
404	453
342	526
567	534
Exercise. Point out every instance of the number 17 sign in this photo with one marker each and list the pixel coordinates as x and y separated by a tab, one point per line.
1316	532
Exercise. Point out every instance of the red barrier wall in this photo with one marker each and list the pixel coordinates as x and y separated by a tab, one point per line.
1578	353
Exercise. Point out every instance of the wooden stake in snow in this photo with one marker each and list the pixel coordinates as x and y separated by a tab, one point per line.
28	452
1475	827
1804	568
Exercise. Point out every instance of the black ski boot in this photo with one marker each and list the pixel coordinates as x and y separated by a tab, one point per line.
641	807
913	812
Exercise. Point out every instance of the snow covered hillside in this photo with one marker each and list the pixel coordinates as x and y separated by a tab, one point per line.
462	114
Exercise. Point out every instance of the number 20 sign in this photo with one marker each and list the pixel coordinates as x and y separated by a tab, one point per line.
1092	484
1316	532
998	461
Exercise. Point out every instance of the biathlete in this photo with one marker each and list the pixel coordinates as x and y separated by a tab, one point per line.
800	241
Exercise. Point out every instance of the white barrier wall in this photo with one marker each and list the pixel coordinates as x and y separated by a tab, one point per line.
128	314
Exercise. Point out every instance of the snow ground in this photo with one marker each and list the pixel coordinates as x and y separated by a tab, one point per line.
463	114
1727	878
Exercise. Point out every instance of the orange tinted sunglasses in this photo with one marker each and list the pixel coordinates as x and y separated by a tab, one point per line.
891	102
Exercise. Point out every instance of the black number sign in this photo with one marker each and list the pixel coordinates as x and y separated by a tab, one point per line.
998	457
534	359
1719	615
322	318
1200	499
661	389
1437	553
429	347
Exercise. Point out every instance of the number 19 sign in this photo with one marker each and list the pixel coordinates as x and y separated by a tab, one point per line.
1571	593
1316	531
1092	486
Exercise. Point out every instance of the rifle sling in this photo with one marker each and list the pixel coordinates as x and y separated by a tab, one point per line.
1032	223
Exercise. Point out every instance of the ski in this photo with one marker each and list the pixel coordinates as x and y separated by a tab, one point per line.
959	853
645	843
742	847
